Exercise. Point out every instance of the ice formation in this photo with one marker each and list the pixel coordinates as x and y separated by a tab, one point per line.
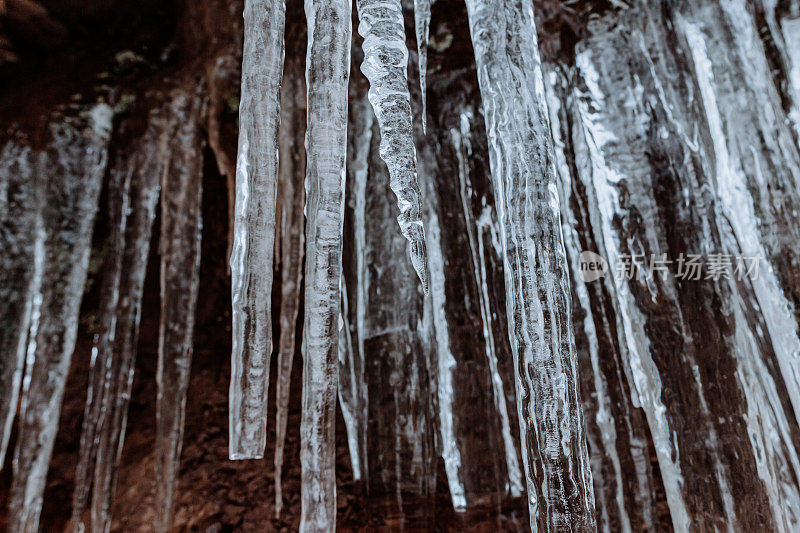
327	75
254	225
63	230
179	250
385	64
643	399
538	300
114	370
20	275
422	25
291	195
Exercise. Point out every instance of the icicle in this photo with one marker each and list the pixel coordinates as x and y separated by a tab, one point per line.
349	388
147	168
20	272
181	187
352	384
447	366
327	74
254	226
385	64
101	359
292	200
553	446
70	203
475	230
614	468
422	24
436	334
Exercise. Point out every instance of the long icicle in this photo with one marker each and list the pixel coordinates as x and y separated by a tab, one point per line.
101	359
477	232
385	66
292	198
352	384
559	482
327	74
150	153
70	204
181	187
350	387
20	270
254	226
422	26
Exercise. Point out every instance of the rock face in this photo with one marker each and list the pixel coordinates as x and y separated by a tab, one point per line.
659	145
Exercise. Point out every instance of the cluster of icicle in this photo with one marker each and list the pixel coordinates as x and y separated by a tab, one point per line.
669	130
676	133
50	197
687	146
554	453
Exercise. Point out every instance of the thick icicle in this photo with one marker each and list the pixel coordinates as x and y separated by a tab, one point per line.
20	271
254	226
385	65
327	75
554	449
70	203
149	153
616	430
179	249
422	26
101	359
291	195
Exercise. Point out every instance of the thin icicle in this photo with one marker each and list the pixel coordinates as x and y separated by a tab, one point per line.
327	75
352	382
143	198
385	65
20	270
180	275
70	203
554	452
101	358
292	198
422	26
348	390
254	226
447	366
475	231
